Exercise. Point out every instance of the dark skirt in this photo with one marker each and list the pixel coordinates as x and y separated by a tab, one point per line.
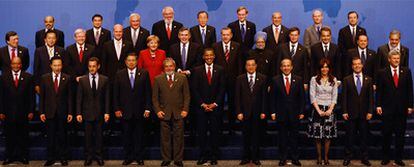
322	127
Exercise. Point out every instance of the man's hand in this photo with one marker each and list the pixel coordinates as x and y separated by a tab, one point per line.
345	116
146	114
379	110
77	79
106	118
2	117
273	117
301	116
240	117
161	114
212	106
79	118
369	116
43	118
262	116
184	114
37	89
306	87
205	107
118	114
30	116
69	119
375	87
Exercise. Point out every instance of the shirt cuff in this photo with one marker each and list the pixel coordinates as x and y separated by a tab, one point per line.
147	111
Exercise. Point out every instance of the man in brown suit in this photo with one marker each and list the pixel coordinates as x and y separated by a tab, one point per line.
171	100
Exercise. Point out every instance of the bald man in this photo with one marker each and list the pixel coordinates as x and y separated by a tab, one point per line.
276	32
49	22
136	34
313	32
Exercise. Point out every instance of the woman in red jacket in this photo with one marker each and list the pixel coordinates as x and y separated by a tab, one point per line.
151	59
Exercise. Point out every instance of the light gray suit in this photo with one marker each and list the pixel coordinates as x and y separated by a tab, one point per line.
311	37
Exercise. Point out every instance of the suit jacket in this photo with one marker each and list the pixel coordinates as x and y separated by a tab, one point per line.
357	106
234	66
202	92
370	66
194	55
42	61
393	100
110	60
141	42
311	37
17	102
92	106
345	38
75	66
40	38
299	60
287	107
383	56
132	101
103	38
271	42
55	104
171	100
266	61
210	38
250	28
334	57
251	104
159	30
5	60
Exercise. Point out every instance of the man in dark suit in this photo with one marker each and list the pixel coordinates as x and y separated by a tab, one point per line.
348	35
43	55
276	33
78	54
243	32
186	54
357	107
203	34
287	104
251	90
98	36
136	34
114	53
326	49
228	56
171	101
132	101
49	25
394	104
11	50
17	104
297	53
55	107
393	44
167	29
92	106
367	56
207	88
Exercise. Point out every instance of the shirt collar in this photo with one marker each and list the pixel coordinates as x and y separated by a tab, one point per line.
132	71
295	44
97	29
132	29
96	75
275	26
323	45
254	75
228	44
398	46
360	50
53	28
289	76
18	73
392	69
78	46
54	74
243	23
351	27
360	75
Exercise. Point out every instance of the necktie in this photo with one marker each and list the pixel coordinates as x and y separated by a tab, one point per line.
13	53
170	81
203	35
395	78
56	83
363	57
243	31
94	85
292	51
227	53
209	75
277	35
287	86
97	35
184	57
118	50
319	31
353	34
251	83
326	51
358	84
16	80
81	54
168	31
51	52
132	79
134	37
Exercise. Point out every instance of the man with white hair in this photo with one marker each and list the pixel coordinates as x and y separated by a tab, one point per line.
276	32
313	32
49	22
136	34
167	29
393	44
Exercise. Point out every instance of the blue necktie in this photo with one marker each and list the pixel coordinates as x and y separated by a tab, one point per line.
183	56
132	80
358	84
243	31
203	35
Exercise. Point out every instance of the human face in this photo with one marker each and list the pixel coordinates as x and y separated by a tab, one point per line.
202	19
49	22
118	32
153	45
286	66
168	15
353	19
50	39
135	22
357	66
260	43
277	18
394	40
326	37
131	62
97	22
209	57
93	67
13	41
362	42
184	36
169	68
325	70
56	66
251	66
394	60
294	36
317	17
242	15
80	38
226	35
16	64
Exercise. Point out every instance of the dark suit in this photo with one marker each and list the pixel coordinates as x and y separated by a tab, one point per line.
132	102
110	62
287	108
103	38
382	56
5	58
159	29
194	55
271	41
248	42
56	106
92	105
141	42
251	104
345	39
16	103
357	106
210	36
370	66
76	67
172	101
394	102
40	38
266	61
203	92
334	56
42	61
299	60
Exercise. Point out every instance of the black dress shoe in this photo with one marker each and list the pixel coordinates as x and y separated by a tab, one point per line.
282	162
7	161
346	162
366	162
178	163
165	163
296	163
244	162
87	162
213	162
49	163
326	162
399	162
256	162
201	161
140	162
24	161
100	162
64	163
126	162
385	162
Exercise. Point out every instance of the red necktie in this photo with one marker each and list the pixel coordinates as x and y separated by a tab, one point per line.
13	54
80	54
168	31
395	78
209	75
170	81
56	84
16	80
227	53
287	86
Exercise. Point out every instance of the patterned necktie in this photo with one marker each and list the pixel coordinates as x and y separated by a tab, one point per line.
184	56
132	80
292	51
395	77
170	81
319	31
358	84
227	53
326	51
287	86
97	35
251	83
243	32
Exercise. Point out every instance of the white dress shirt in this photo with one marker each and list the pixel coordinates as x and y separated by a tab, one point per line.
96	79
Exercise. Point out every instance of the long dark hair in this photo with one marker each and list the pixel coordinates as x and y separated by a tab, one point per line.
322	63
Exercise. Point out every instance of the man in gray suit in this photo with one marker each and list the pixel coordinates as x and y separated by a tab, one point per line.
171	100
313	32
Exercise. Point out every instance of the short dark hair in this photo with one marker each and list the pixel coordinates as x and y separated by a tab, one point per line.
49	32
201	12
326	29
207	50
355	58
362	35
95	59
97	15
55	58
132	54
10	34
183	29
293	29
251	58
351	12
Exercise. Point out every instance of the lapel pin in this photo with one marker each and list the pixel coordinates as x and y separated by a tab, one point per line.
86	48
257	79
300	48
20	51
248	28
208	30
232	48
139	74
21	79
123	45
63	78
293	80
281	32
267	61
102	33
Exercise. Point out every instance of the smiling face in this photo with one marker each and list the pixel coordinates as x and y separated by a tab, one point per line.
168	15
286	66
80	38
97	22
16	64
153	45
118	32
49	22
169	67
56	66
13	41
135	21
394	60
317	17
325	70
202	19
357	65
353	19
131	61
260	43
184	36
326	37
251	66
294	36
362	41
277	18
209	57
394	40
226	35
50	39
242	15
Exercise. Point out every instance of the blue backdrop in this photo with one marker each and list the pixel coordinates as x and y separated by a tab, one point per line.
378	17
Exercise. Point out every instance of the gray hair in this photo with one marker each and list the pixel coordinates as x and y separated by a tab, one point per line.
396	32
393	52
134	15
168	60
78	31
317	10
167	8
